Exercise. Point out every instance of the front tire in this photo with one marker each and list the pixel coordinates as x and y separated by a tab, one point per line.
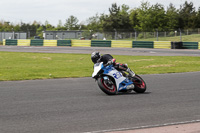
109	89
140	85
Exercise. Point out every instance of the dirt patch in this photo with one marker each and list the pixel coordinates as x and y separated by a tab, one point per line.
142	60
162	65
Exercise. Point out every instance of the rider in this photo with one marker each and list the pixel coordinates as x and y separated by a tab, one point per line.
108	59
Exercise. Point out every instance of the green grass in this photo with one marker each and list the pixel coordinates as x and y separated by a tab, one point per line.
25	66
184	38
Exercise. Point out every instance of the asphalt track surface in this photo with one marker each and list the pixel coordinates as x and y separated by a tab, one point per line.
75	105
104	50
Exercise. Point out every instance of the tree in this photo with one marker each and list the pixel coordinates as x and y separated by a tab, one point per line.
133	18
17	27
117	19
172	17
94	23
144	17
25	27
72	23
60	26
6	26
158	17
187	15
48	26
151	17
1	26
198	19
124	18
111	21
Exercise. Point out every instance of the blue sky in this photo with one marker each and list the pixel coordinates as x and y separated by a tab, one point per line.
54	10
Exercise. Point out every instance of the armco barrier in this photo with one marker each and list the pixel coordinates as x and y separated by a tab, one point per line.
143	44
11	42
50	43
81	43
122	44
38	42
162	44
23	42
97	43
64	43
190	45
103	43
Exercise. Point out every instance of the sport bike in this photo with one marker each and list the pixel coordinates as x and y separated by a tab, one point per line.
111	81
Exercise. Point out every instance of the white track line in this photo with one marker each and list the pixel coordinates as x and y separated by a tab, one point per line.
142	127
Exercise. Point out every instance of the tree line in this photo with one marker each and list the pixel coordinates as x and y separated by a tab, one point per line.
146	17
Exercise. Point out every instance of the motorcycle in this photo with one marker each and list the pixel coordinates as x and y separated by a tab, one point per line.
111	81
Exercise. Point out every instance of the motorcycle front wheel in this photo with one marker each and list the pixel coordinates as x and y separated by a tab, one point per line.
140	85
107	87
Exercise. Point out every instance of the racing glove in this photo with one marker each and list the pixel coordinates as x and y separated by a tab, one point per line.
111	62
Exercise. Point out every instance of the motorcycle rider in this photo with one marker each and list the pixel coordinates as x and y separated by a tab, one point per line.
108	59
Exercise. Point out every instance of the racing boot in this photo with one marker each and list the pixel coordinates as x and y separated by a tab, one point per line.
131	73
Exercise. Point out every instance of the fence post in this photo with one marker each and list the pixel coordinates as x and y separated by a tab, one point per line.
180	35
135	35
115	34
131	35
13	34
157	34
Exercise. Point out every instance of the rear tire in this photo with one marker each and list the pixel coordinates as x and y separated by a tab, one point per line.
109	89
140	85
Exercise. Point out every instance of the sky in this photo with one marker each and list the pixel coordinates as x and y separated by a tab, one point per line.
27	11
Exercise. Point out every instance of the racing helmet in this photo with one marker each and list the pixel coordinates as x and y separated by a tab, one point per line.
95	56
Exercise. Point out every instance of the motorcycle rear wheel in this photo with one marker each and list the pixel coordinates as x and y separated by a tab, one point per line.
109	89
140	85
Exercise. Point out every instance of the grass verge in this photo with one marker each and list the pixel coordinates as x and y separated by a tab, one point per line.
26	66
184	38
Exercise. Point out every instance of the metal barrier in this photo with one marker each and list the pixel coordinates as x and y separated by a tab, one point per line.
190	45
162	44
99	43
64	43
143	44
122	44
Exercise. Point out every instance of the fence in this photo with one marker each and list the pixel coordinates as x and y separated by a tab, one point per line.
192	35
176	35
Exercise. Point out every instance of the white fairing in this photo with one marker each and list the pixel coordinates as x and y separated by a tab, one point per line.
97	68
117	76
113	73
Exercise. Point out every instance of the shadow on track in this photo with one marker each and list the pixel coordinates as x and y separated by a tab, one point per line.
133	93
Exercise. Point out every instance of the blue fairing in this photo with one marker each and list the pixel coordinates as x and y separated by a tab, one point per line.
107	69
122	85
